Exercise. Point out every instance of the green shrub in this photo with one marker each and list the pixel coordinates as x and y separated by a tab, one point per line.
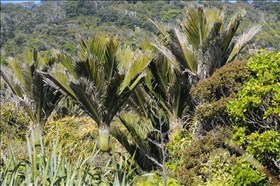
256	114
264	147
154	179
258	103
243	173
225	81
197	154
213	94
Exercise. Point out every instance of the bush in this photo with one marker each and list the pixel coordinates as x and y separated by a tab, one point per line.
197	155
258	103
213	94
256	112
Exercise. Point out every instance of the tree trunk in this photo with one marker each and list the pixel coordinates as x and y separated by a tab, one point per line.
104	138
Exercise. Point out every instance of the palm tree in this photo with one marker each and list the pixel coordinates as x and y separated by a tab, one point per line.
100	80
190	53
162	98
203	42
37	98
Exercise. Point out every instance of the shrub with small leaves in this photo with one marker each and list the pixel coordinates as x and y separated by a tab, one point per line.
198	153
243	173
256	112
258	102
213	94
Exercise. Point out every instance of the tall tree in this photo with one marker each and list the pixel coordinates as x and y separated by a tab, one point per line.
100	80
37	98
203	42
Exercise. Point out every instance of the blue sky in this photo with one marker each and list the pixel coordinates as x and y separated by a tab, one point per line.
19	1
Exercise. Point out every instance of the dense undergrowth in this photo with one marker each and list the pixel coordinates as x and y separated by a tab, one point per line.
172	112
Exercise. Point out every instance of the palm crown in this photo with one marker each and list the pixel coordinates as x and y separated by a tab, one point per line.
101	80
203	42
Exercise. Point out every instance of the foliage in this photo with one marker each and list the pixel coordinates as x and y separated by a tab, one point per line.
154	179
257	104
14	121
204	42
77	136
243	173
37	98
51	169
56	23
176	147
197	154
224	82
256	111
218	168
213	94
101	81
264	147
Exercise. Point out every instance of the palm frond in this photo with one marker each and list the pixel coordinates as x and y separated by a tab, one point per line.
214	15
179	95
242	41
124	58
211	52
83	50
28	56
16	66
97	46
60	81
28	106
137	66
67	61
12	82
38	94
112	101
131	126
184	53
140	155
88	98
168	54
82	69
138	101
195	26
161	28
228	35
27	74
110	63
51	98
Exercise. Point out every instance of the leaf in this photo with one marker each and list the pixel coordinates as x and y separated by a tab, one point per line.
184	53
137	66
88	98
242	41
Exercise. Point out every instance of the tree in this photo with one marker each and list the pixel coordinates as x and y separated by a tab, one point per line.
195	51
203	42
100	80
37	98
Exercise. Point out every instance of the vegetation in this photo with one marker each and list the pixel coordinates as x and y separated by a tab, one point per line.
147	103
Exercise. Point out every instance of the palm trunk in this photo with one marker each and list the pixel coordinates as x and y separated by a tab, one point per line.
38	134
104	138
